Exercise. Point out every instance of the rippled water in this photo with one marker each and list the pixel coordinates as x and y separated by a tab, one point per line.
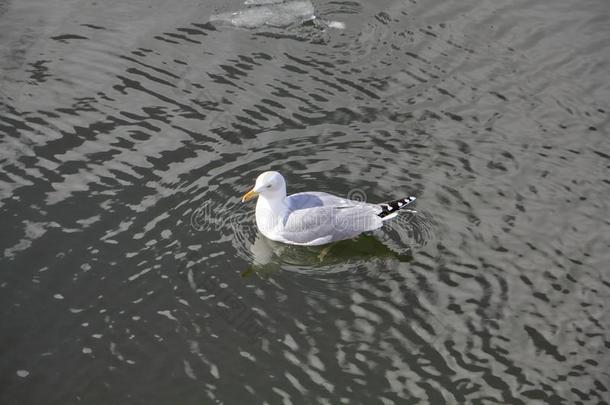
130	272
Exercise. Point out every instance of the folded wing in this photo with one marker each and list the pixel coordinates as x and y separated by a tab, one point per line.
329	223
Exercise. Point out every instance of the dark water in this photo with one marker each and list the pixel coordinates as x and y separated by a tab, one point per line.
130	272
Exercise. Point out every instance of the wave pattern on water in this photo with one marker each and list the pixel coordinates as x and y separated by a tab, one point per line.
129	133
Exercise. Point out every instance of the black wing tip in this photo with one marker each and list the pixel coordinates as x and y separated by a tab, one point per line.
390	207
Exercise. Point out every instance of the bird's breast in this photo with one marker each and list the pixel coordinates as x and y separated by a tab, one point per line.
266	220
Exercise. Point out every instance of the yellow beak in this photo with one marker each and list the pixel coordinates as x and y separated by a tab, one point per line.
249	195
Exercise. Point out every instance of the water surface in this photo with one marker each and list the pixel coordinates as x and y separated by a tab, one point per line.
131	273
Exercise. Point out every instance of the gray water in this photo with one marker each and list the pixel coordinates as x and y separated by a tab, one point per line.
130	272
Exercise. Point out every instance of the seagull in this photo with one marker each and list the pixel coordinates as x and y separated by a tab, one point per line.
314	218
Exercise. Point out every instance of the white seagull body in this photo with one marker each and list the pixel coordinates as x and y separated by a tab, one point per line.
314	218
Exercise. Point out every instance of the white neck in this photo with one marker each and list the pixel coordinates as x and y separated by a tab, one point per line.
276	203
271	211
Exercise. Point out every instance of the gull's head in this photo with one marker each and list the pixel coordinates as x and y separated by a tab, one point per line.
270	185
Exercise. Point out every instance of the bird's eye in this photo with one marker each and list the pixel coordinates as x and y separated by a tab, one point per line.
268	185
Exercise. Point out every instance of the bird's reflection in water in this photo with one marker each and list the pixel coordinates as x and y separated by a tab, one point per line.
269	256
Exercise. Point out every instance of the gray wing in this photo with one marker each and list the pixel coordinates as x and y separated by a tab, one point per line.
311	199
329	223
